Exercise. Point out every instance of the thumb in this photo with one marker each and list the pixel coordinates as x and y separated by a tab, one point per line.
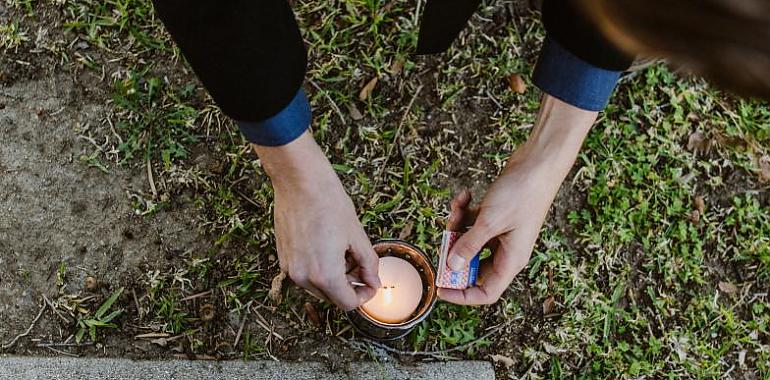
467	246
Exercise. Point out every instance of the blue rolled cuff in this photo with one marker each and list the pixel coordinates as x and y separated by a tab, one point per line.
563	75
282	128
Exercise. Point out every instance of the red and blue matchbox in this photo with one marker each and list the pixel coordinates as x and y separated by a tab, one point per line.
451	279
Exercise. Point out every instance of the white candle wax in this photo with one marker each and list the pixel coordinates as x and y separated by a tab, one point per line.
400	293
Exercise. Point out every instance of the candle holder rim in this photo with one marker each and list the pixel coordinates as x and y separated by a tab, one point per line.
410	323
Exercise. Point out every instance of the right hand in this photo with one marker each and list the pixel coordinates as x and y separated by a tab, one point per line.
320	240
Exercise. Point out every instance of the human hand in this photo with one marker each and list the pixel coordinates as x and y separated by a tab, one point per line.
321	243
509	218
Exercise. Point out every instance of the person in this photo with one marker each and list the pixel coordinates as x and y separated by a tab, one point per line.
251	58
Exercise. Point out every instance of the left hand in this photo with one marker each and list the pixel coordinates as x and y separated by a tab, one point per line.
509	218
507	221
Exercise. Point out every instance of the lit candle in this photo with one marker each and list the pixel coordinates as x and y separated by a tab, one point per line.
400	293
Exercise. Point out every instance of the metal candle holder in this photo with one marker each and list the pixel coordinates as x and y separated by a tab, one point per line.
389	331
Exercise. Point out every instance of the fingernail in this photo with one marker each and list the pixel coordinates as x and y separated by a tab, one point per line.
456	262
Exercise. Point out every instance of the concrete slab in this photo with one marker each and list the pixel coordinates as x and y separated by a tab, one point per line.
23	368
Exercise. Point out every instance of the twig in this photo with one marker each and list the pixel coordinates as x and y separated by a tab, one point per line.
331	102
136	303
151	180
263	323
240	329
152	336
194	296
246	198
60	352
194	357
64	344
54	309
31	326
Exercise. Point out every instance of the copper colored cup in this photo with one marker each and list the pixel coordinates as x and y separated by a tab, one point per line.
389	331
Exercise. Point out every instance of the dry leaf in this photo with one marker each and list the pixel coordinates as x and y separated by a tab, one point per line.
507	361
700	204
163	342
312	314
366	92
406	231
275	287
517	84
764	171
551	349
549	305
396	67
695	216
727	287
90	283
697	142
355	114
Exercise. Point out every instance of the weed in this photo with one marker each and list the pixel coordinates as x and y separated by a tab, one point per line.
100	319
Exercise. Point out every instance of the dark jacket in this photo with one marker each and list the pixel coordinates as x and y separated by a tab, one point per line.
250	56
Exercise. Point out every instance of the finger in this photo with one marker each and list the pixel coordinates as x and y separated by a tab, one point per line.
488	291
495	275
339	291
468	245
368	261
458	208
301	279
364	293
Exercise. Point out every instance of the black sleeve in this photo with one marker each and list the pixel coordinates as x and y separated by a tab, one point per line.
566	24
249	54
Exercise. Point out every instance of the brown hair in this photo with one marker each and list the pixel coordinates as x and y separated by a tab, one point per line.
727	41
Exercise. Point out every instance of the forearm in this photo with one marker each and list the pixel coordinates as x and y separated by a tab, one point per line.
556	138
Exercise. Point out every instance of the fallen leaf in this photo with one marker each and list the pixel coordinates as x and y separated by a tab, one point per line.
160	342
366	92
551	349
764	171
275	287
505	360
396	67
549	305
727	287
90	283
700	204
695	216
312	314
406	231
697	142
355	114
517	84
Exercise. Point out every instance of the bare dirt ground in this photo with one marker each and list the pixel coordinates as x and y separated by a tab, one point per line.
59	213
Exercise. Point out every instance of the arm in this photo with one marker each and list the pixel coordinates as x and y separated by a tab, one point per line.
251	58
509	217
577	71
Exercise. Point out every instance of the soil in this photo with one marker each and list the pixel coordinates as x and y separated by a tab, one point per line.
61	215
58	212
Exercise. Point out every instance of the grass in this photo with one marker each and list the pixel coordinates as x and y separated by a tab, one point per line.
100	319
641	287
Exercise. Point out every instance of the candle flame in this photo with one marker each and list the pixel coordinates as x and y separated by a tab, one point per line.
387	295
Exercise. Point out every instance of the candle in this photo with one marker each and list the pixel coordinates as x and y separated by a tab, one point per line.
400	293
